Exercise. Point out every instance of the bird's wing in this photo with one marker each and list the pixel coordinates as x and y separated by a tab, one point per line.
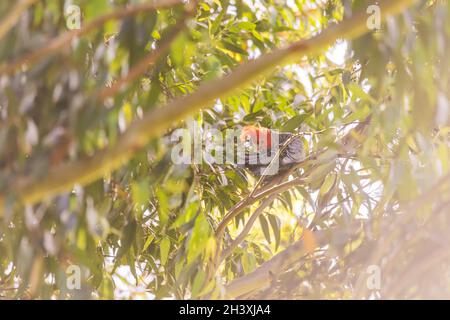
294	152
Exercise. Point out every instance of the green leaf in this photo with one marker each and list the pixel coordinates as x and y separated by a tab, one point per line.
178	50
127	239
106	289
215	25
140	193
306	196
148	242
265	227
96	8
187	216
246	25
248	262
199	280
234	48
199	237
163	201
327	184
164	248
275	223
294	123
358	93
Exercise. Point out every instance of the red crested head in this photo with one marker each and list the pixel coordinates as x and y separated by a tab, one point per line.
258	135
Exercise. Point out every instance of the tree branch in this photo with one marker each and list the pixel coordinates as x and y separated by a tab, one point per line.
141	131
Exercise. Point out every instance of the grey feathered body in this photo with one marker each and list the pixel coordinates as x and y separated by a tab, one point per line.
291	154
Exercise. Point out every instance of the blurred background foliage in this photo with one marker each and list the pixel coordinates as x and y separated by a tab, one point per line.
147	230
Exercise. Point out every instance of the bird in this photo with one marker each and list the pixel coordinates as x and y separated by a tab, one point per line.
266	143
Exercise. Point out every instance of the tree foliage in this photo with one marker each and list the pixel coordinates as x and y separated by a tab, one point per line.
87	178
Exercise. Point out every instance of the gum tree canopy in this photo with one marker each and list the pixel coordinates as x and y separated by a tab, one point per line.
93	205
